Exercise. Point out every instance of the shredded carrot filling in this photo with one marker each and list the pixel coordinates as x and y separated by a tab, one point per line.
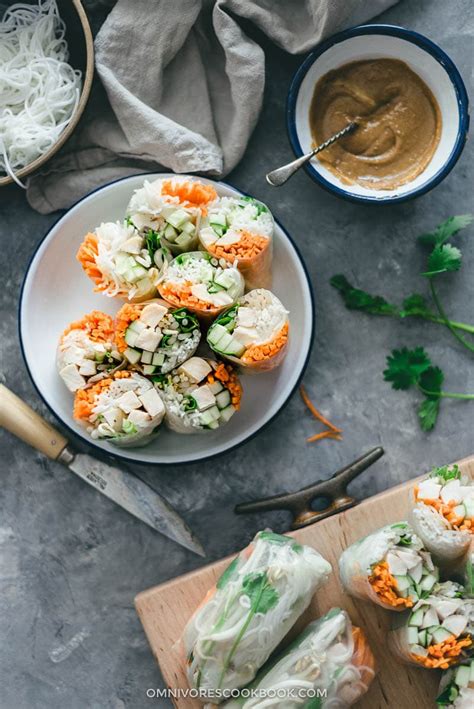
84	400
191	194
86	256
324	434
127	314
257	353
444	654
248	247
226	375
385	586
181	295
332	432
446	509
97	325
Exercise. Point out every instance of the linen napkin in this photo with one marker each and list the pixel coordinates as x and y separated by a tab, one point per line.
182	87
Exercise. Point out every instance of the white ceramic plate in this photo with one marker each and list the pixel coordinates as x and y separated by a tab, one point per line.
56	292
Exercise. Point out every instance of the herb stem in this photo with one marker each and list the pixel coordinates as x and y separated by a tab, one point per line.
453	323
444	394
447	322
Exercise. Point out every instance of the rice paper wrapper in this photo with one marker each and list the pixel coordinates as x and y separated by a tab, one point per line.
330	660
446	544
253	605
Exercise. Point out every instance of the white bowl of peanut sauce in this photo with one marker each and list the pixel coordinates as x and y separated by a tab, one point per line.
409	103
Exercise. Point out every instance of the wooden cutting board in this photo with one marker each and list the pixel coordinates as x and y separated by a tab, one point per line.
165	609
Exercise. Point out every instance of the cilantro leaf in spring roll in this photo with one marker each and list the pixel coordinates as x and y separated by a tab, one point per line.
121	261
253	333
124	409
86	350
438	631
241	229
253	605
443	513
389	566
330	662
199	396
203	284
172	208
155	338
456	690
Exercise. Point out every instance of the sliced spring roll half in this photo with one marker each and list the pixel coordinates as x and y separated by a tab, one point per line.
330	661
203	284
241	229
456	689
200	395
86	351
124	409
438	631
253	333
122	261
253	605
390	567
155	338
172	209
443	513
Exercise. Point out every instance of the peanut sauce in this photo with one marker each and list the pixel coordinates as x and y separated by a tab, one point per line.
399	123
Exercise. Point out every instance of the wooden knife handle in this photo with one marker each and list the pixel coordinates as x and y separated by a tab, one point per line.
18	418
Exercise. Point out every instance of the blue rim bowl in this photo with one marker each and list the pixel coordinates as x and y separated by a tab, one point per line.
440	73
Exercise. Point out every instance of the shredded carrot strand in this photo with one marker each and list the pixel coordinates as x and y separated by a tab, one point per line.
86	256
385	586
317	414
181	295
443	655
127	314
97	325
247	248
445	509
226	375
257	353
324	434
191	194
84	400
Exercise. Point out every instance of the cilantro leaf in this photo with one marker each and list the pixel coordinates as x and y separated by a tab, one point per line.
226	575
443	259
446	229
431	380
446	473
405	366
263	596
428	413
415	304
356	299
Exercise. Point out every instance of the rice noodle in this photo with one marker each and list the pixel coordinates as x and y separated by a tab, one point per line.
39	90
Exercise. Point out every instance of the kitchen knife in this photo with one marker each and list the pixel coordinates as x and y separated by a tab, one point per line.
122	487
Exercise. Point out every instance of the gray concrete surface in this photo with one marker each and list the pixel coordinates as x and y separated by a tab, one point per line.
71	562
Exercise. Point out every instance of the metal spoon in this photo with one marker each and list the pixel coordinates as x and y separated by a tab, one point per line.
278	177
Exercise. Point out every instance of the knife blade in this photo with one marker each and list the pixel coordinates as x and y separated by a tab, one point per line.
125	489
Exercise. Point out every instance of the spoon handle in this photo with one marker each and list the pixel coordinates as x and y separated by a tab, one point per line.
278	177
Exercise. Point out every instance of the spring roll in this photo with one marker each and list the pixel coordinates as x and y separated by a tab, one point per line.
86	351
390	567
124	409
173	209
153	338
456	690
245	616
443	513
201	395
438	631
253	333
203	284
122	262
330	662
241	229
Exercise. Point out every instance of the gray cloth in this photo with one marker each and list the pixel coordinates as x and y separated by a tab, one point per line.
184	87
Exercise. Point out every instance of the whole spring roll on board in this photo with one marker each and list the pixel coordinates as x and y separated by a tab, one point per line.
124	409
203	284
253	333
241	229
389	567
245	616
456	689
86	350
172	208
443	513
330	662
201	395
155	338
438	631
122	261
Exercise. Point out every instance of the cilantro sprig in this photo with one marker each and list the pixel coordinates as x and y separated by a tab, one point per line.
443	258
413	368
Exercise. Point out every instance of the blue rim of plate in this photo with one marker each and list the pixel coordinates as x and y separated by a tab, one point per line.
415	38
116	454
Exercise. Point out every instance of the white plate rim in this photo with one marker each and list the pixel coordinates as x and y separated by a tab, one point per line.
126	455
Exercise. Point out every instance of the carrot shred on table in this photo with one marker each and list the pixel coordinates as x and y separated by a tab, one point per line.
317	414
324	434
